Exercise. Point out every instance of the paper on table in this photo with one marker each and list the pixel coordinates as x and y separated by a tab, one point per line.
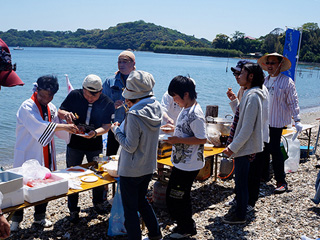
64	173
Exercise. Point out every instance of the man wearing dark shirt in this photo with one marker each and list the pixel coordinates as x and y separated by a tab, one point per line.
91	111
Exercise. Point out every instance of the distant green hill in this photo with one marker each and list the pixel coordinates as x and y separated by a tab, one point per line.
143	36
123	36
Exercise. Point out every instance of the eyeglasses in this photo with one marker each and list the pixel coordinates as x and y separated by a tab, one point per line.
124	62
236	74
271	63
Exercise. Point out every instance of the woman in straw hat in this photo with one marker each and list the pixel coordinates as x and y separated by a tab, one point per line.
283	105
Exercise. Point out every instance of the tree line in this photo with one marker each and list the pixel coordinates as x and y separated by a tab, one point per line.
143	36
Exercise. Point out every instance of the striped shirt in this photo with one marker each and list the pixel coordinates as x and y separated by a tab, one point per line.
284	101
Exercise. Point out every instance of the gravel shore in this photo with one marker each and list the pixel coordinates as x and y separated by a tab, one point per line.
286	216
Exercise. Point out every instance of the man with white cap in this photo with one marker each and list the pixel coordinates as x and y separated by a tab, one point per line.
90	110
283	105
138	157
113	88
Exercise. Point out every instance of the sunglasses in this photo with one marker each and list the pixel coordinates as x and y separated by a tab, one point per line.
271	63
236	74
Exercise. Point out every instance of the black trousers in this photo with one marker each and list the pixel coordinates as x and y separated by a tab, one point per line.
255	171
178	197
273	148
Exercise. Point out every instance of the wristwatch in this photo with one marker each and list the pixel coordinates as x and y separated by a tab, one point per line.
95	134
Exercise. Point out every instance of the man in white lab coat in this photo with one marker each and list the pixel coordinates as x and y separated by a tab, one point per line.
37	122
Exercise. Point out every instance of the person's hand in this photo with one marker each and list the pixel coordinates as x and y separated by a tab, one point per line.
114	126
69	117
170	121
298	126
227	151
231	95
118	104
172	140
90	134
71	128
167	128
4	228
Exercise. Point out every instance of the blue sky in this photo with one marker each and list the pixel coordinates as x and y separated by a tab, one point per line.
201	18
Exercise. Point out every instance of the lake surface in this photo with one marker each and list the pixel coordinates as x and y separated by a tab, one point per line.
212	80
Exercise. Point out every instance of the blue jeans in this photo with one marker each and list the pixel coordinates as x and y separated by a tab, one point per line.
74	158
241	169
133	194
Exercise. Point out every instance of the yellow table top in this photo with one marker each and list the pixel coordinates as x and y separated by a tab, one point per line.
207	153
107	179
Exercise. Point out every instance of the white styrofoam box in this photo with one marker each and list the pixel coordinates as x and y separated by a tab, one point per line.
12	198
10	182
35	194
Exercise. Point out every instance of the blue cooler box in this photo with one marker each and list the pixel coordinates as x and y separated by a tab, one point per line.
304	150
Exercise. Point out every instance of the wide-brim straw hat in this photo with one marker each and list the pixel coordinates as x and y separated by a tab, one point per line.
285	63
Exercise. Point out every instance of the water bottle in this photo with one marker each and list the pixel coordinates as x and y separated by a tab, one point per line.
100	162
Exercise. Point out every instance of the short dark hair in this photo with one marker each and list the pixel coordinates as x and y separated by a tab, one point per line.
48	83
179	85
258	75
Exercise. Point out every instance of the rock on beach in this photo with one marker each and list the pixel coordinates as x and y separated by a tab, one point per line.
286	216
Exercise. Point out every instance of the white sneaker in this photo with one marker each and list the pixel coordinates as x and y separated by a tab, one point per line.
14	226
44	223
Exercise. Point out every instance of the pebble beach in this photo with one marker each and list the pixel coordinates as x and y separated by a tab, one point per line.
290	215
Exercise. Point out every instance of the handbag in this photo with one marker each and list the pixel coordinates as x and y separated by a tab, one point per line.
116	220
226	168
284	150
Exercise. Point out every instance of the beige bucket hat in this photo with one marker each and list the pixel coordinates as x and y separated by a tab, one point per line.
139	84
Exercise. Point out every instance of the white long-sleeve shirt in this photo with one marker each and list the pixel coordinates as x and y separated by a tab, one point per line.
283	101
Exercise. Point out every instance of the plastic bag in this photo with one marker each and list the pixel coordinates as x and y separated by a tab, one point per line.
292	163
213	137
112	168
116	220
32	170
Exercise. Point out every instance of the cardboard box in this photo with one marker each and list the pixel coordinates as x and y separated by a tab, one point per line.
56	188
13	198
10	182
206	171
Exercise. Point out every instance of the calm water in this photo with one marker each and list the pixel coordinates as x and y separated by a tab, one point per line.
210	75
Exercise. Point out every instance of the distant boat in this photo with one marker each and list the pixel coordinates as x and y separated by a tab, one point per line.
17	48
